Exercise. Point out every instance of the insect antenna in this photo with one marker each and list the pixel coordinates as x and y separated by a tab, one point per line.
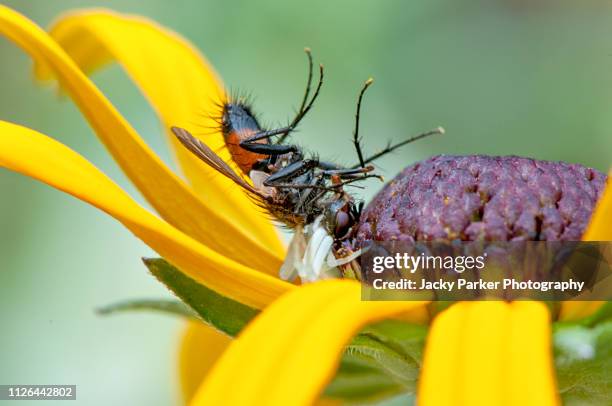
356	139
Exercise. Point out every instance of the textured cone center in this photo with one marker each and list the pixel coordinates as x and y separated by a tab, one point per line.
481	197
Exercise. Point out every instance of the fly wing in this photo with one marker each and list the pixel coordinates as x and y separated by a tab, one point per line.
207	155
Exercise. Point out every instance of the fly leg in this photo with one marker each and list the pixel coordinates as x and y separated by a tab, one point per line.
290	172
306	106
356	139
272	151
347	172
304	109
353	174
286	177
357	179
329	165
268	149
298	168
336	187
392	147
389	148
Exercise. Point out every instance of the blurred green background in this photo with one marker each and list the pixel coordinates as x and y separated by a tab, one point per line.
520	77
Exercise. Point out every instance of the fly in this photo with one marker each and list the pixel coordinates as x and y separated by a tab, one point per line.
299	190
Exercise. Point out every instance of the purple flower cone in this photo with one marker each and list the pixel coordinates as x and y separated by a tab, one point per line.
483	198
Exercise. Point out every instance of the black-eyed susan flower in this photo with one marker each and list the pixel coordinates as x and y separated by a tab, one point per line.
476	353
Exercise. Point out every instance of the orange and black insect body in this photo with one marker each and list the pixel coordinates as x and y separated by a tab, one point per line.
238	124
250	145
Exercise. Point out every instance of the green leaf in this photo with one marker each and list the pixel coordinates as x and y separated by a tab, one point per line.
406	399
174	307
381	362
603	314
583	360
226	315
397	366
405	338
356	383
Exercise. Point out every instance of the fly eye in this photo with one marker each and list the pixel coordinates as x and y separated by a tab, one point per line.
342	223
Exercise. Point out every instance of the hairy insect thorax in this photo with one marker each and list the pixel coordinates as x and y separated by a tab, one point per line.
237	124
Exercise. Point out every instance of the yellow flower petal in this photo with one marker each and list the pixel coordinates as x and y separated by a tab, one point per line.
33	154
289	353
579	309
169	195
600	229
181	86
489	353
201	346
